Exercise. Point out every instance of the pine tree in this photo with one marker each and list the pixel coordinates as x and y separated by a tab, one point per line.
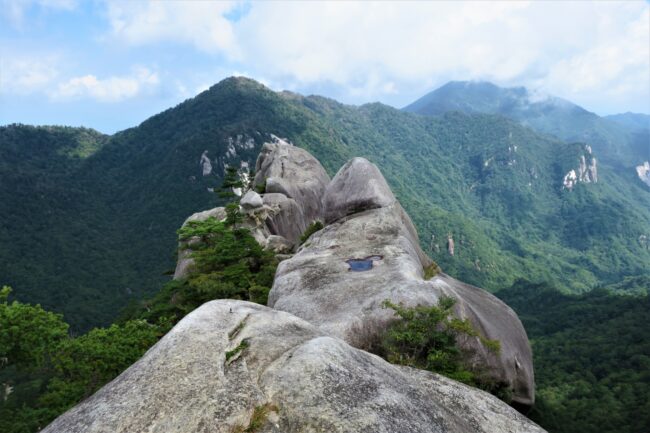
231	180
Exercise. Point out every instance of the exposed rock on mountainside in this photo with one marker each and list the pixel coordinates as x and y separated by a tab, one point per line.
643	171
317	283
206	165
229	360
619	139
289	170
586	173
302	369
184	260
294	182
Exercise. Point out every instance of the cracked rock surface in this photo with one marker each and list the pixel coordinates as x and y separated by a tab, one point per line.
310	382
301	363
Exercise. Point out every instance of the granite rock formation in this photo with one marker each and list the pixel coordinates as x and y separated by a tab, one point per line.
229	359
300	366
318	285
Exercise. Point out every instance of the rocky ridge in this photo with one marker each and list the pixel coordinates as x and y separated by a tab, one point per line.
299	366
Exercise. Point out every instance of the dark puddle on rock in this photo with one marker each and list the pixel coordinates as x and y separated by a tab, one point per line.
361	265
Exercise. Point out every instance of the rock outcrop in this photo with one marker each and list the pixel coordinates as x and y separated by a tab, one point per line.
184	261
206	165
643	172
294	183
359	185
318	285
586	173
229	359
298	176
300	366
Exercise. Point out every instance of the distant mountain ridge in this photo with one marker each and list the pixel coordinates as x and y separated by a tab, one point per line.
86	234
612	138
635	121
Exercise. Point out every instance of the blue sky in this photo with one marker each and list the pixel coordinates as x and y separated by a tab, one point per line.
109	65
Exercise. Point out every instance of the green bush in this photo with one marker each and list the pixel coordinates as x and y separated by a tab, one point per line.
51	371
426	337
261	188
228	264
313	228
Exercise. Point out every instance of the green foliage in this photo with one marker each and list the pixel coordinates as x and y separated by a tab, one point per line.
258	419
228	263
431	271
27	334
261	188
242	346
231	180
233	215
50	371
84	364
426	337
104	222
591	355
310	230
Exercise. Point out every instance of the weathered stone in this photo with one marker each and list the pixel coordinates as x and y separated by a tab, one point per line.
251	200
292	171
286	218
279	244
316	283
184	262
206	165
358	186
199	378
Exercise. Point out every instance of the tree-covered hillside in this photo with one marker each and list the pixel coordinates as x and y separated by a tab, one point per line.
89	232
616	143
591	355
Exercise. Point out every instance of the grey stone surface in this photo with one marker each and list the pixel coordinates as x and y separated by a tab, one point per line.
286	218
317	285
279	244
310	382
358	186
251	200
295	173
184	262
304	362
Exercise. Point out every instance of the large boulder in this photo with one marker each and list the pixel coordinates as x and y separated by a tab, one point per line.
228	360
251	200
370	232
287	218
358	186
293	172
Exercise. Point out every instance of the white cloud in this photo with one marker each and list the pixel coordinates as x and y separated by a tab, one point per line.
14	10
111	89
613	66
201	24
371	49
23	75
594	53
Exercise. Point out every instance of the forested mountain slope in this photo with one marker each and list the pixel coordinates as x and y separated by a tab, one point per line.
592	367
494	189
614	138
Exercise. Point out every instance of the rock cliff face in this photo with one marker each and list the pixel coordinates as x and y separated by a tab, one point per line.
300	366
586	173
230	359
